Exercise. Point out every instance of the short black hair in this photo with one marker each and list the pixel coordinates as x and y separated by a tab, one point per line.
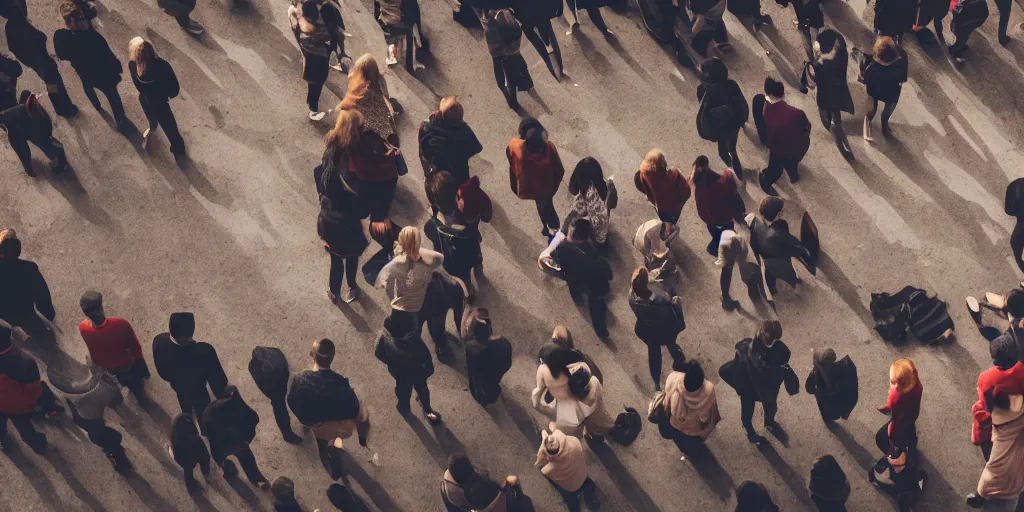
11	248
460	467
694	378
582	229
773	87
323	352
1014	302
701	161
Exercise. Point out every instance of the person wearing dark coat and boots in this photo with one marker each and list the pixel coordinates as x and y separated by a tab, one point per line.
230	426
659	320
884	76
181	10
156	82
723	111
24	294
1013	205
488	357
29	122
340	229
771	241
28	44
586	272
269	370
829	487
753	497
188	449
828	70
833	384
113	345
968	15
188	366
90	56
21	392
504	36
756	373
88	398
409	361
325	402
893	18
447	142
787	134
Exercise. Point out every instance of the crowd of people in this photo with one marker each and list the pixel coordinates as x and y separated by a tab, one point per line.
356	180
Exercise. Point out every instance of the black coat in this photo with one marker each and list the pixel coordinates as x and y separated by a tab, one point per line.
583	267
969	15
443	295
269	369
487	363
830	73
834	386
23	290
894	17
90	55
777	247
28	44
230	426
547	347
408	359
343	232
884	82
159	84
188	367
321	396
829	487
189	449
658	320
10	70
723	109
757	371
447	145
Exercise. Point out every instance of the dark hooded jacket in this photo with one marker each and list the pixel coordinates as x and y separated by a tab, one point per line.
834	385
23	290
894	17
90	55
777	247
757	371
189	449
408	359
884	79
269	369
723	108
829	486
658	320
487	362
159	84
830	72
319	396
230	426
583	267
447	145
188	366
28	44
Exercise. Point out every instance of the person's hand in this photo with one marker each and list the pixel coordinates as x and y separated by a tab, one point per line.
362	441
882	409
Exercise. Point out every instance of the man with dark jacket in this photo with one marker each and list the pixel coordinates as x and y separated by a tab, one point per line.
113	345
23	290
758	369
447	142
21	392
488	358
586	272
723	111
325	401
409	362
771	241
444	293
28	44
10	70
269	369
230	426
29	122
786	132
968	15
188	366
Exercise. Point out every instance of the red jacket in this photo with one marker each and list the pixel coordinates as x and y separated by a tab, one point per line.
716	203
905	408
668	191
533	176
789	131
112	345
1009	381
20	387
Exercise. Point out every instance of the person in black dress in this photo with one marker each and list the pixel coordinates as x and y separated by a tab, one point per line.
488	358
884	76
659	320
156	82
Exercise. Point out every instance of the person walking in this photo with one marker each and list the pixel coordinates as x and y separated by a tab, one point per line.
652	239
189	366
230	426
324	401
88	398
113	345
1002	480
409	361
1005	376
593	198
691	405
444	293
884	76
571	396
756	372
833	384
753	497
535	19
90	56
188	449
659	320
447	142
24	294
10	71
29	122
488	357
21	392
181	10
504	37
315	44
787	133
340	229
28	44
828	70
968	15
463	487
586	273
828	487
562	461
405	280
593	8
368	94
903	407
535	172
772	243
732	253
1013	205
718	200
398	19
665	187
156	82
723	111
269	370
1004	20
454	236
561	339
709	25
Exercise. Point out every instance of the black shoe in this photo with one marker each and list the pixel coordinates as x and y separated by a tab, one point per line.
794	178
975	501
119	462
773	426
730	305
765	187
756	439
433	417
69	111
1004	40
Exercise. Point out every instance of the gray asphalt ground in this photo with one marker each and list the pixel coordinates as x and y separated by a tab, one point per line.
231	237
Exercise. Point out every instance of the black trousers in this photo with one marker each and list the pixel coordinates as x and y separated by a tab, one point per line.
572	498
342	267
330	457
116	107
598	307
279	404
204	466
27	431
727	151
313	91
133	377
654	359
716	236
747	413
593	12
702	39
159	113
1017	244
1004	18
833	121
49	73
50	147
403	390
539	36
887	111
194	403
247	460
725	281
101	435
961	35
548	216
776	164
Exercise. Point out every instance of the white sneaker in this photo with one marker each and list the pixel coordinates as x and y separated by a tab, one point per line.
145	136
194	28
316	116
390	61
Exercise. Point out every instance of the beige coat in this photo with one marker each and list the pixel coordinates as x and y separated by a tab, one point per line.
567	466
457	496
1003	476
694	414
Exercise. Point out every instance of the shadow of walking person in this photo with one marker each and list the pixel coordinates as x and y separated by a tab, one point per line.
624	481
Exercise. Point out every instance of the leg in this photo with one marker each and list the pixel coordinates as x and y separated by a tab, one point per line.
351	271
170	127
575	17
20	146
654	364
716	236
410	52
886	115
54	150
313	91
792	169
725	282
336	274
960	44
547	33
548	216
90	93
770	408
595	16
532	34
150	116
247	460
747	415
986	450
805	33
769	281
870	116
571	499
598	314
32	437
1017	244
499	74
435	326
423	393
826	118
1004	20
771	174
329	457
284	420
403	391
58	93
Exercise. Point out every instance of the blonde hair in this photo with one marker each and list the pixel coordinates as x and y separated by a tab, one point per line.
408	242
141	52
654	160
903	374
364	73
67	9
451	108
347	127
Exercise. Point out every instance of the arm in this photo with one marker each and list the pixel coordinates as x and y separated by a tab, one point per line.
513	183
473	146
683	188
173	87
556	162
487	211
41	295
215	376
810	386
890	402
132	342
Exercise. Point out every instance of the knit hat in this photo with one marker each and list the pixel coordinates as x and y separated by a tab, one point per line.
1003	351
91	300
770	207
182	325
5	337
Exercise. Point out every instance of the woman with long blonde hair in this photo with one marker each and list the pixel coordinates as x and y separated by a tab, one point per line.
903	406
405	279
368	94
156	82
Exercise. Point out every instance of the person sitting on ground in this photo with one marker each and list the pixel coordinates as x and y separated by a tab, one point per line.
1010	305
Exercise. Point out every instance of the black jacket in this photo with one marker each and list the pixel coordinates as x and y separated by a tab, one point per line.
342	231
583	267
408	358
188	367
159	84
21	122
777	247
269	369
757	371
230	426
658	320
829	486
885	81
28	44
834	386
447	145
723	108
830	73
90	55
894	17
10	70
443	295
487	363
320	396
23	290
189	449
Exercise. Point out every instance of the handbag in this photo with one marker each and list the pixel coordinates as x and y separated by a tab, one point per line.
791	380
657	412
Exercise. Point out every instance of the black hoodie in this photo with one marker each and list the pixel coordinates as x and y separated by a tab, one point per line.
447	145
407	358
230	425
318	396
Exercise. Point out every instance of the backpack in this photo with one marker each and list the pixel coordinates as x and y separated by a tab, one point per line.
503	33
627	427
461	248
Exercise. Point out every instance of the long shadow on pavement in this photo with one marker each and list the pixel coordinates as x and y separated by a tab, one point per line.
36	478
715	476
624	481
377	493
61	467
793	479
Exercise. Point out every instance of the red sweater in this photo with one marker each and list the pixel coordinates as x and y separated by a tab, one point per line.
905	408
668	191
534	175
789	131
715	203
113	344
1009	381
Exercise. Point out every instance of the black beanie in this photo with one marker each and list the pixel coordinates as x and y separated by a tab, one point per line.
1003	351
182	325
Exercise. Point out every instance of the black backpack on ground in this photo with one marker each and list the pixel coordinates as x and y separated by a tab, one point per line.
627	427
926	317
